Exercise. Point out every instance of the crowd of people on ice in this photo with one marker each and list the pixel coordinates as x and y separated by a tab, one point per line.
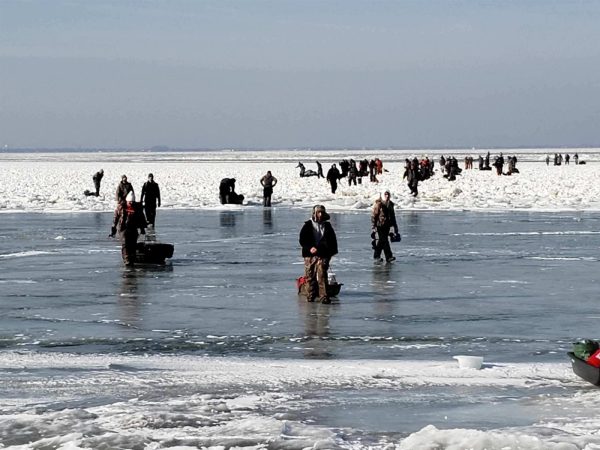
317	237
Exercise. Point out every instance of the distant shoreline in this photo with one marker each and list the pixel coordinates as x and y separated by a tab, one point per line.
436	150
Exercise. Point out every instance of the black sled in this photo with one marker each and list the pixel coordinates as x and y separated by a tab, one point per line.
584	370
153	252
88	193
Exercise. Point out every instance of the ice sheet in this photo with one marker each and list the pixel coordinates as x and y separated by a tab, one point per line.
55	182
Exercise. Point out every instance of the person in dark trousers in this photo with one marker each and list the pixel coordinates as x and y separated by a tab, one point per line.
576	158
123	189
320	170
268	182
150	198
412	174
127	220
383	219
499	164
344	167
372	168
352	173
319	245
333	175
97	178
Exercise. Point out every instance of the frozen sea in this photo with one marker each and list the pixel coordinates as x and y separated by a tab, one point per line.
216	350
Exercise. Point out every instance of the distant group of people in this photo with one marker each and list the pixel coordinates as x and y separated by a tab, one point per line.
317	237
558	159
415	171
348	168
228	196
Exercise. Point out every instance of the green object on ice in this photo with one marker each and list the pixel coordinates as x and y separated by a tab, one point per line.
584	348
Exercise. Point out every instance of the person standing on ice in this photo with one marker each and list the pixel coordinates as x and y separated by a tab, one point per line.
383	219
333	175
97	178
319	245
127	220
123	189
320	170
151	195
412	174
268	182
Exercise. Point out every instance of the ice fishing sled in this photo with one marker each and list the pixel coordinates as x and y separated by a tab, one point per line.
333	287
87	193
153	252
584	370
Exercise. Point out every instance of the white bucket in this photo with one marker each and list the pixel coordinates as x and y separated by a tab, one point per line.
469	362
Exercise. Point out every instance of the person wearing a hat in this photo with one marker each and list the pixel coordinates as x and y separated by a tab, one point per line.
97	178
319	245
127	220
123	189
383	219
149	198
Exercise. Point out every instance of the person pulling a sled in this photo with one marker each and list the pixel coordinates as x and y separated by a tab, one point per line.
128	219
319	245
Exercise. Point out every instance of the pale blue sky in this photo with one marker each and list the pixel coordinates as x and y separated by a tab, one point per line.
252	74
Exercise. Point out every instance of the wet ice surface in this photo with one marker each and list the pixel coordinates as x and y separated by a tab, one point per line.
517	288
510	286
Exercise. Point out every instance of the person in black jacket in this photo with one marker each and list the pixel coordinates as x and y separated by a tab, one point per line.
320	170
97	179
383	219
319	244
151	195
333	175
227	192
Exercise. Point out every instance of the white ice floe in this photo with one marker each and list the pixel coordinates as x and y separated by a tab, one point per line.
194	402
55	182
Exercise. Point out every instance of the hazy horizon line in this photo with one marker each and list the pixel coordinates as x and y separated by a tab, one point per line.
161	148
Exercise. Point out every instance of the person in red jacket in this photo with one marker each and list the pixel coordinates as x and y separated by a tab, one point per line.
128	219
319	245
